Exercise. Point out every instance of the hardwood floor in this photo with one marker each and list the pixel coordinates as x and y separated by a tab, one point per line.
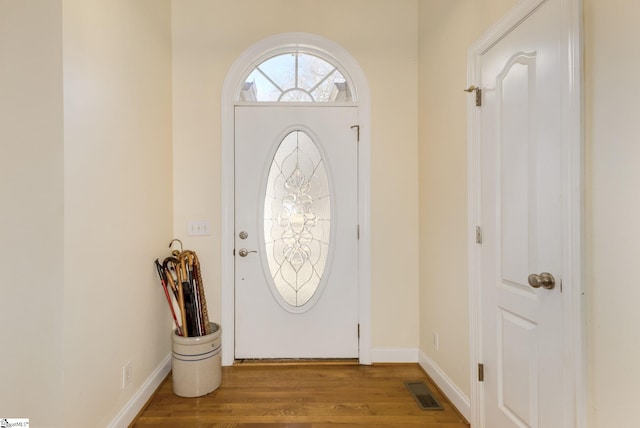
303	396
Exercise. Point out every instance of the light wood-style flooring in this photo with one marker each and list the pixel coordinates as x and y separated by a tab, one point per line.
309	395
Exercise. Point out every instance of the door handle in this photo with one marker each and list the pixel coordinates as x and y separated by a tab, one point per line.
544	280
243	252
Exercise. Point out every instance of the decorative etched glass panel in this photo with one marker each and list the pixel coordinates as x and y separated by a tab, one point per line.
297	219
296	77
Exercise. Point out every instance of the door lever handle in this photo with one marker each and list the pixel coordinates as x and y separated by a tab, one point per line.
544	280
243	252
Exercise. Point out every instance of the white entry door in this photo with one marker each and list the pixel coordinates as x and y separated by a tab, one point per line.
296	248
523	162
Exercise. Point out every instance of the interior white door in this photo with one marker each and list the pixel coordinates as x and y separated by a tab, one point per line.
296	248
522	140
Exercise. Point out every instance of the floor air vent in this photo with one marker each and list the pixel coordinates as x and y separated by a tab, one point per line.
422	395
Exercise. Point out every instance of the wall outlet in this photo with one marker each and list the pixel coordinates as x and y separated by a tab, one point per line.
127	374
199	228
436	341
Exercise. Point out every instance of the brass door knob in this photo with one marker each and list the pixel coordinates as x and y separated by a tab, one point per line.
544	280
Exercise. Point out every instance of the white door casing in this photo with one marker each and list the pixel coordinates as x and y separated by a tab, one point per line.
231	89
525	181
267	325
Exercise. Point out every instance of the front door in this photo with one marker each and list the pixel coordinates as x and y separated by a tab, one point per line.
296	248
523	159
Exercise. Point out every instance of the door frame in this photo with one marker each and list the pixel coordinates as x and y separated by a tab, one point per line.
232	86
574	352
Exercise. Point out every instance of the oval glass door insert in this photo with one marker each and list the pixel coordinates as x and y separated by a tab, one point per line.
297	221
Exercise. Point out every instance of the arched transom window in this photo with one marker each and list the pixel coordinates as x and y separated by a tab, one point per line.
296	77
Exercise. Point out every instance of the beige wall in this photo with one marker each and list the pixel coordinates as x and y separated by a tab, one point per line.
208	36
31	230
447	29
613	210
117	200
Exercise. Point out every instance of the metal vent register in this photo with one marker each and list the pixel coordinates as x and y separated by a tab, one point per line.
423	396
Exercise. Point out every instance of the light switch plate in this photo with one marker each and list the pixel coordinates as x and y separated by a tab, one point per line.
199	228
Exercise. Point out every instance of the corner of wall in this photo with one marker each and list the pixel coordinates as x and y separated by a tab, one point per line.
448	387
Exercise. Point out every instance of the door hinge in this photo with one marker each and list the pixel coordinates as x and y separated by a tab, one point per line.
357	127
478	235
358	331
358	232
478	93
480	372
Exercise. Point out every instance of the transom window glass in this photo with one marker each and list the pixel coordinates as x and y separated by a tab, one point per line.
296	77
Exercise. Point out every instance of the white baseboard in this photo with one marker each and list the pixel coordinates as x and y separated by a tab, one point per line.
140	398
394	355
446	385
